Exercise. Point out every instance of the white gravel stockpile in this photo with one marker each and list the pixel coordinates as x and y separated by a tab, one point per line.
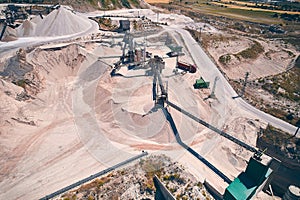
26	29
57	23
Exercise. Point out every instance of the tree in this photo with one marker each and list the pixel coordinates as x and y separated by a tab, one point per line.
275	15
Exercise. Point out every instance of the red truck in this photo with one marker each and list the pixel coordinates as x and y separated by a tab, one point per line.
187	67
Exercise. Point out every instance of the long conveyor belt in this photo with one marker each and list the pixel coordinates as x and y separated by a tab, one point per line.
222	133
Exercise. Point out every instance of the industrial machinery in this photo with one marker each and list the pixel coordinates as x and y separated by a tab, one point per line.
160	94
256	173
13	13
174	54
186	67
201	83
248	182
212	94
160	97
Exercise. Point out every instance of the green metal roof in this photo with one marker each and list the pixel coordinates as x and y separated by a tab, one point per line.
244	186
238	190
200	81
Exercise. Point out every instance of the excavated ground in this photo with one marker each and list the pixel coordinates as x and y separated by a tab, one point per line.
81	119
65	118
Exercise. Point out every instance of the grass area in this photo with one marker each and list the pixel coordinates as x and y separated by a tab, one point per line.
289	81
245	6
257	16
135	3
226	17
114	4
277	137
224	59
95	184
282	144
281	114
283	110
284	86
295	41
157	1
140	176
239	2
233	11
207	39
273	137
151	167
93	2
252	52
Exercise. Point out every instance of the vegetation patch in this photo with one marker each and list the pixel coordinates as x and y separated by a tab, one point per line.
93	2
252	52
284	145
136	182
289	81
105	23
135	3
125	3
22	83
284	90
288	17
207	39
225	59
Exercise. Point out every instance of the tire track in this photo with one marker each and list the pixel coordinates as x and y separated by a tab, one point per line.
17	153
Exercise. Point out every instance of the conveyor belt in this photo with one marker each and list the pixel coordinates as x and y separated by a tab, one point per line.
222	133
3	30
192	151
154	87
163	91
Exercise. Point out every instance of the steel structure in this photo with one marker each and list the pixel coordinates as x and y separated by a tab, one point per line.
212	94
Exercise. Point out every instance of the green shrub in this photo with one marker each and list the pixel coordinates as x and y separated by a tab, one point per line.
125	3
225	59
251	52
21	83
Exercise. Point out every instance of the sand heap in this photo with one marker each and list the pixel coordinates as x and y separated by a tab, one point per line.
57	23
27	28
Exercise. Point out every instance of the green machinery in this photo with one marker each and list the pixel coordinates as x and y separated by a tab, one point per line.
201	83
248	183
